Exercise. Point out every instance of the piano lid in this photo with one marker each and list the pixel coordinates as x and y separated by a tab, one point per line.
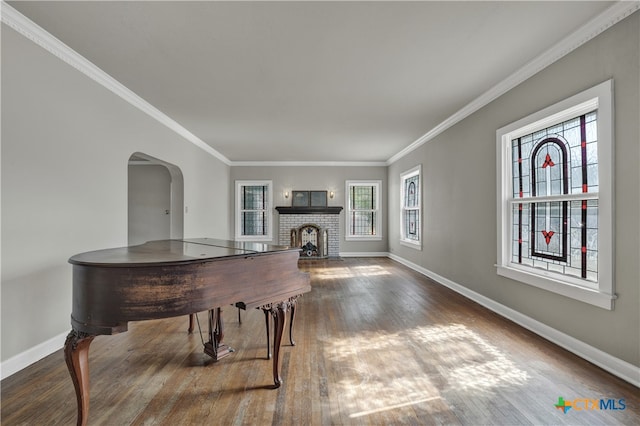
241	245
173	252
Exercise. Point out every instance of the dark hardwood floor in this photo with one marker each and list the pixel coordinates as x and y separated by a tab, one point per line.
376	343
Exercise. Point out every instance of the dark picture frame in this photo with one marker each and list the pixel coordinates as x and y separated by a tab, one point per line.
318	198
300	198
309	198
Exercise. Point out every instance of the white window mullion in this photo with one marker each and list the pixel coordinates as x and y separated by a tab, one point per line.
554	198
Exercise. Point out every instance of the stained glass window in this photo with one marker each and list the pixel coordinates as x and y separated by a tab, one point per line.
555	209
254	214
411	206
363	211
555	198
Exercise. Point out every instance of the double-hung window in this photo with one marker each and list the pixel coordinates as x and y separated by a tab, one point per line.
253	210
363	210
411	208
555	198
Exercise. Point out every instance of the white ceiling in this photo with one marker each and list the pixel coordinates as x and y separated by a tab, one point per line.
310	81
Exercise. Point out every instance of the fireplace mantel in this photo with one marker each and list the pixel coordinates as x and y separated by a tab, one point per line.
309	210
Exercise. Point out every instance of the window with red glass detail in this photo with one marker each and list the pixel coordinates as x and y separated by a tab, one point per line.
554	217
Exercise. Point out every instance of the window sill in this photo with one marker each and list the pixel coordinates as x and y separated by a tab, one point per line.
416	245
582	294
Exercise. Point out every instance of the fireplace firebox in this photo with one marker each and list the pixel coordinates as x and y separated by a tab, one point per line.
312	240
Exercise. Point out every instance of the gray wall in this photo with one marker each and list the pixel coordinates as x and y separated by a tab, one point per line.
66	143
459	195
319	178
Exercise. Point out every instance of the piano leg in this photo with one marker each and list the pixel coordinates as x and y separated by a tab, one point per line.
190	330
76	354
279	313
278	327
267	312
293	315
266	320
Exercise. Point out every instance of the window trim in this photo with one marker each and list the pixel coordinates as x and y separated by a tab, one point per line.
414	244
378	225
269	210
601	294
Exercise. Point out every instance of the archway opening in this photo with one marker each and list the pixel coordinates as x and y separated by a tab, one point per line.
155	199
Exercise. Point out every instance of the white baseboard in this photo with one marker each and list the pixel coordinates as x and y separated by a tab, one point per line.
613	365
364	254
28	357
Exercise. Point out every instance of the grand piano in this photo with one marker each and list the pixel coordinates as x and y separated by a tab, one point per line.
168	278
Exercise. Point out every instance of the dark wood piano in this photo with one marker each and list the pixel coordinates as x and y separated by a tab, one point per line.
169	278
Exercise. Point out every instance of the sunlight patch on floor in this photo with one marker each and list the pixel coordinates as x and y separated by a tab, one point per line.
357	271
471	362
379	371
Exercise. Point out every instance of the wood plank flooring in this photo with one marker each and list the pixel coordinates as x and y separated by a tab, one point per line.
376	344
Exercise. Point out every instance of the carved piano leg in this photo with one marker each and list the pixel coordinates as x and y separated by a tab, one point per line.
278	327
293	315
76	354
266	320
214	347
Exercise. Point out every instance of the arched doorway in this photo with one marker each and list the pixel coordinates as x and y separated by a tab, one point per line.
155	200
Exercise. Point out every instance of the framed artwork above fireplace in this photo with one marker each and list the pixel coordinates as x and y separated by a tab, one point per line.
309	199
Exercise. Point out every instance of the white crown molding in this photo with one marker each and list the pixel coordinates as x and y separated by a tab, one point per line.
42	38
588	31
309	163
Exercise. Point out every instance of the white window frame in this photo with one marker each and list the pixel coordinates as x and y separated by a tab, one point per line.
268	210
602	293
377	184
415	244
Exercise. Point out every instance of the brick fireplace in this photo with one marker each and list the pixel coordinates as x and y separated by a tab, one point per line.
319	226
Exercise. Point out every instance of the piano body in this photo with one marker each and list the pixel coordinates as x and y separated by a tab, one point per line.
168	278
